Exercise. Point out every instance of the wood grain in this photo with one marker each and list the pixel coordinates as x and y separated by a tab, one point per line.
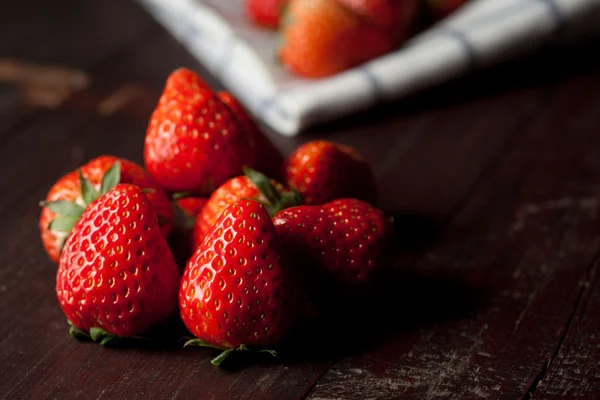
492	179
527	238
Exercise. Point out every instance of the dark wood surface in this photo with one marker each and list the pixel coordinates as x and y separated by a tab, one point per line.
494	180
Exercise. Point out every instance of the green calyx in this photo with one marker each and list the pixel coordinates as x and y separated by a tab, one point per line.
180	195
225	352
68	213
99	335
276	200
110	179
95	334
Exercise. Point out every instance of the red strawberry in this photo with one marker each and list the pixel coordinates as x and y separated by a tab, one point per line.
116	274
183	243
65	201
394	18
439	9
194	142
235	291
322	37
191	206
268	158
184	82
265	12
323	171
253	185
340	245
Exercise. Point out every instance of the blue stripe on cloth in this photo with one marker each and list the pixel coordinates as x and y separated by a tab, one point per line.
464	41
271	103
265	104
374	84
560	19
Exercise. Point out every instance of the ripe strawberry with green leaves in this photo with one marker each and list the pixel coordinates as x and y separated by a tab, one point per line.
322	37
265	12
253	185
69	196
116	276
236	291
268	159
194	142
342	245
323	171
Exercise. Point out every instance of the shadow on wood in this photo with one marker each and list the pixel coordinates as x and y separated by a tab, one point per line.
408	301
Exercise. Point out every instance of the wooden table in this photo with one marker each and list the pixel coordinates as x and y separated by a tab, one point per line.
495	180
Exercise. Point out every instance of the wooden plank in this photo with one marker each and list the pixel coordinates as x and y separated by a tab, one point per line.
513	260
69	36
41	359
575	372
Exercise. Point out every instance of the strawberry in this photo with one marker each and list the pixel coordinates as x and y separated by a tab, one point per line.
265	12
194	142
116	276
323	171
191	206
322	37
65	201
235	291
184	82
253	185
268	158
439	9
184	243
394	18
342	245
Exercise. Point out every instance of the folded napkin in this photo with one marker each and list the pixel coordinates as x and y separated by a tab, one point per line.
481	33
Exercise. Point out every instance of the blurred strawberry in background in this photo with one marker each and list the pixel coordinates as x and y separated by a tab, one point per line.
394	18
265	12
324	37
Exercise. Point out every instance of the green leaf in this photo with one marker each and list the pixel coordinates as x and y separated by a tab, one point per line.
103	337
97	333
201	343
88	193
263	184
63	207
77	333
109	340
180	195
63	223
269	351
218	360
111	178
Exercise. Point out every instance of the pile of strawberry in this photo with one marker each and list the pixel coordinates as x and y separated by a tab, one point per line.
262	248
323	37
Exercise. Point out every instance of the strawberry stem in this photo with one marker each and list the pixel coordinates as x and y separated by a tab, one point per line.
221	357
180	195
276	200
225	352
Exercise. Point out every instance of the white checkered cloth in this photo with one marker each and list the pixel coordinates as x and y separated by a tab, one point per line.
479	34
